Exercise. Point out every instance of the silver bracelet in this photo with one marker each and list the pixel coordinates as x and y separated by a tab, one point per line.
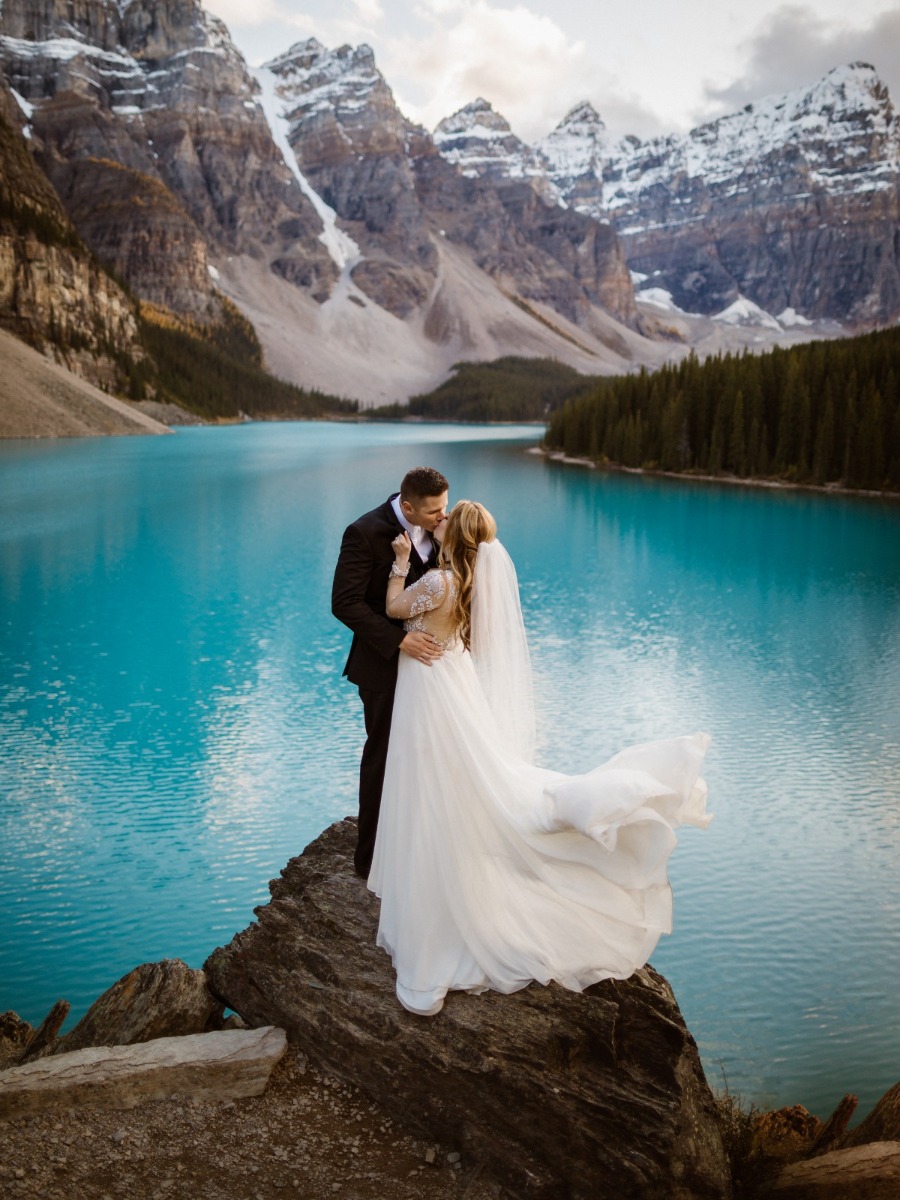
398	573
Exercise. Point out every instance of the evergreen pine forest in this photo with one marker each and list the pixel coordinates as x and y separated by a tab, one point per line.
216	370
825	412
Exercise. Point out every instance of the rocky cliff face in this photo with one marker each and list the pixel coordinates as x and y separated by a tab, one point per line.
397	190
53	294
356	149
561	256
792	202
148	105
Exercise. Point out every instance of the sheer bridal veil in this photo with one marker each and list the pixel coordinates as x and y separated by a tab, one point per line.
500	650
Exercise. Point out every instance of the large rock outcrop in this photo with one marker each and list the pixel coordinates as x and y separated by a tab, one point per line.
156	1000
597	1095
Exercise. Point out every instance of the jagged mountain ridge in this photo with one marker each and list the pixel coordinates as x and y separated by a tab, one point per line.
384	177
792	202
367	272
368	259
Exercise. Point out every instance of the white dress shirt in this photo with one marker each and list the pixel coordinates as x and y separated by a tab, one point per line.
419	536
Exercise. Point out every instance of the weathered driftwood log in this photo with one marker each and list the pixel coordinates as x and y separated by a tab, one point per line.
882	1124
834	1128
155	1000
599	1094
213	1066
870	1172
46	1032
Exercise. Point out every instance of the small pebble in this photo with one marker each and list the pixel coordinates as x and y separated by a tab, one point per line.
454	1156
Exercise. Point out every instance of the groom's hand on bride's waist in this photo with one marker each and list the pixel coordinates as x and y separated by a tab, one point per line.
422	646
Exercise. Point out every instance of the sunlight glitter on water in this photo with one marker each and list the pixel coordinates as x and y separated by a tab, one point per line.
175	727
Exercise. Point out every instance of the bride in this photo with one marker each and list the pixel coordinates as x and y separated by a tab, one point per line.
494	872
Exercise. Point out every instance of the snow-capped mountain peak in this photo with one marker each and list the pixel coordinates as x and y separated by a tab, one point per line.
572	155
481	143
322	80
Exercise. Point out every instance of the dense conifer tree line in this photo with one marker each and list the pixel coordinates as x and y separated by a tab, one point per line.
216	370
507	389
823	412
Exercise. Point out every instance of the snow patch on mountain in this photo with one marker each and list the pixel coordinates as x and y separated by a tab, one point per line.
343	249
27	109
658	297
63	50
790	318
745	312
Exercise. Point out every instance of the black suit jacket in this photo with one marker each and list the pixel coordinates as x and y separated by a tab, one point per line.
358	596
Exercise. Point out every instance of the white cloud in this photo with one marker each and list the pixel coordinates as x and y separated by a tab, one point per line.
368	11
658	68
795	46
237	13
519	60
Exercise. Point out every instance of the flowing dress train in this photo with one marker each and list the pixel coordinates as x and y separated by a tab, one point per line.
494	872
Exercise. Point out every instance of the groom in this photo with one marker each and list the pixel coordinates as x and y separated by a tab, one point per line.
358	599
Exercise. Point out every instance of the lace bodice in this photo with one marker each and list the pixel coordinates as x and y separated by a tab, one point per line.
431	600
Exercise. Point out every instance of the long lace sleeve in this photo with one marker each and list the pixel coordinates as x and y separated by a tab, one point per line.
424	595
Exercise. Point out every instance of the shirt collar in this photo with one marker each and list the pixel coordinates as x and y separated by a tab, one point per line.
412	530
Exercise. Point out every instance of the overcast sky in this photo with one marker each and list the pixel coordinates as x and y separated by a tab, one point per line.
649	66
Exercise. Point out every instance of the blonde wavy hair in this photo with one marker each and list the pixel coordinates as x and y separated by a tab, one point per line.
468	525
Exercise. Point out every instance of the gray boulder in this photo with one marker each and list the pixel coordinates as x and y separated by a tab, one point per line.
155	1000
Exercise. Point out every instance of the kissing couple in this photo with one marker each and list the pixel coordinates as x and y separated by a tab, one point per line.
493	872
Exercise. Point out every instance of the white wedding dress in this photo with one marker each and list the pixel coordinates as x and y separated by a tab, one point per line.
494	872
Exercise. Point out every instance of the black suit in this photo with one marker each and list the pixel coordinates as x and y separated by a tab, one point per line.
358	599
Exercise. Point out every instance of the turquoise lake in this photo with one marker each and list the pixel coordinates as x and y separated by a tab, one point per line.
174	726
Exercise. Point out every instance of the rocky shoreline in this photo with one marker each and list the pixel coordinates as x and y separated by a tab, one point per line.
545	1094
829	489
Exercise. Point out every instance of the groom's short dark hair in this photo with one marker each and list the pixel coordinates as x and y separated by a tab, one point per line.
421	482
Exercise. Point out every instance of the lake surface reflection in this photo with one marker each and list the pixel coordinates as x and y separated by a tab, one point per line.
174	724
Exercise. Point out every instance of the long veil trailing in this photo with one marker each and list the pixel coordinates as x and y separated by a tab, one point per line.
500	650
